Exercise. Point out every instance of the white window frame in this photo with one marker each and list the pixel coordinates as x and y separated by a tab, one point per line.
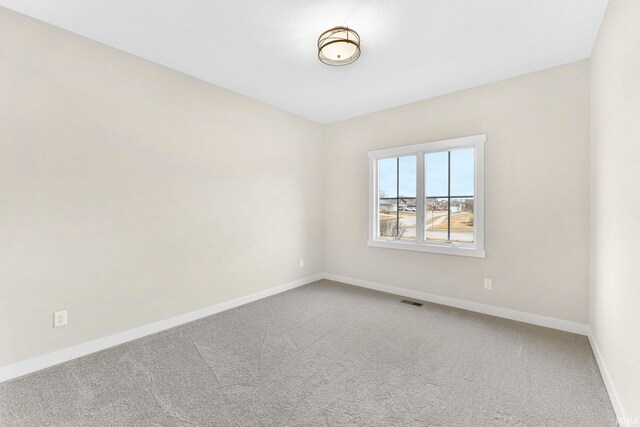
475	249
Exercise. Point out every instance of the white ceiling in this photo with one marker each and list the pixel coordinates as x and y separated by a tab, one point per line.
266	49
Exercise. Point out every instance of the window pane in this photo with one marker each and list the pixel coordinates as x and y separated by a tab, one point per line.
462	173
436	174
462	192
462	220
387	197
435	219
397	197
407	198
437	189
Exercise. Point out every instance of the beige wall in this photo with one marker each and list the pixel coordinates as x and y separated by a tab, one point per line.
615	120
131	193
537	197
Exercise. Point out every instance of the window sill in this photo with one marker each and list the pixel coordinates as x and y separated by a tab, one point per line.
431	248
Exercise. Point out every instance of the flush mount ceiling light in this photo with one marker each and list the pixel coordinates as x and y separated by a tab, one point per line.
338	46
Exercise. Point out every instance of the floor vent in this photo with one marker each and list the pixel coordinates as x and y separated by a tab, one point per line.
406	301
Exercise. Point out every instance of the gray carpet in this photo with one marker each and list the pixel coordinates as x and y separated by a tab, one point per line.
325	354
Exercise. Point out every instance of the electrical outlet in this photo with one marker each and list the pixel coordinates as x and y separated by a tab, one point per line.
301	263
487	284
59	318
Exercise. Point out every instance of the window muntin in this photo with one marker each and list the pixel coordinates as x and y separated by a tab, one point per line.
443	182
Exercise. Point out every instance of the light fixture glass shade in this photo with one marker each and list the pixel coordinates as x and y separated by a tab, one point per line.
338	46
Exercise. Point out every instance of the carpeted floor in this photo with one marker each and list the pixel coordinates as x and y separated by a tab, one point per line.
325	354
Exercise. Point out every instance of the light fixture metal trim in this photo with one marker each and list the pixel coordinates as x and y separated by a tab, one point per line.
337	42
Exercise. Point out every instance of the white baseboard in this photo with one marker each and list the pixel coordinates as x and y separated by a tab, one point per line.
41	362
535	319
37	363
623	420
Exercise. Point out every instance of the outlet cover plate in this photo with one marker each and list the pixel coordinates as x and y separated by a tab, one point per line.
59	318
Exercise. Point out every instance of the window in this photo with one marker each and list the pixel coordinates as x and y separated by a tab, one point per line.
429	197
